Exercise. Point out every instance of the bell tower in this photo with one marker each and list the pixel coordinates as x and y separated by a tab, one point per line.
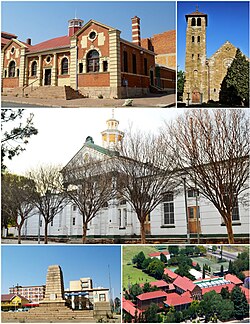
112	137
195	89
74	25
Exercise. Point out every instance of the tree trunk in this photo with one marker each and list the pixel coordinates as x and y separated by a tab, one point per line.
230	234
84	233
143	236
19	227
46	233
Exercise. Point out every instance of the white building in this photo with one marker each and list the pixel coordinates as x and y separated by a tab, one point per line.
119	220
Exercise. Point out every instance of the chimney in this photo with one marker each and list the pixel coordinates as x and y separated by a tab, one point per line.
136	34
74	25
28	41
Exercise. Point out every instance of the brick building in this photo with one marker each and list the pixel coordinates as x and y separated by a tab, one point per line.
92	59
203	75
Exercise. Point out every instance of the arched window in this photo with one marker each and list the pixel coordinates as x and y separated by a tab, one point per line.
192	39
93	61
198	21
34	68
12	68
65	65
198	39
193	22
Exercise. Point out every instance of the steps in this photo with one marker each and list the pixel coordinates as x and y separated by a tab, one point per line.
53	92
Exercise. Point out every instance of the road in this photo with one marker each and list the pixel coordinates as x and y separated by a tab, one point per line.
9	104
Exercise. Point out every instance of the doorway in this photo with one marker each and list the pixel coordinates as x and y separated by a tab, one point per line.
196	96
151	78
47	77
193	222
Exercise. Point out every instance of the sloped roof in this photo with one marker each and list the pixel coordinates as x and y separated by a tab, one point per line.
159	283
129	307
217	289
184	283
173	299
233	279
9	297
152	295
58	42
170	273
246	291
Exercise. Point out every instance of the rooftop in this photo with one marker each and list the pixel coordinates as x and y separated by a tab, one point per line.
174	299
157	254
184	283
233	279
152	295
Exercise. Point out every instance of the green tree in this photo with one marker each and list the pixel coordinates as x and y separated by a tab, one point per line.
202	249
214	248
138	259
225	310
173	249
134	291
235	86
230	267
146	263
151	315
203	271
183	270
241	308
163	258
15	134
210	304
180	82
146	287
194	308
225	294
156	269
221	270
197	267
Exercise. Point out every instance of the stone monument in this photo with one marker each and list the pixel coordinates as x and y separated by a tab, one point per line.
54	292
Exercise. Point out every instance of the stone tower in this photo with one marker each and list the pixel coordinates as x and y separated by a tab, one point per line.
195	89
112	136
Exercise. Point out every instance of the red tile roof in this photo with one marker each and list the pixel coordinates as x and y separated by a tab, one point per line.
157	254
218	288
170	273
152	295
8	34
159	283
233	279
171	287
129	307
184	283
58	42
174	299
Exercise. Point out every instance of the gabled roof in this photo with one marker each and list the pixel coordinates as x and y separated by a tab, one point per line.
18	42
58	42
152	295
170	273
129	307
233	279
173	299
184	283
9	297
92	21
159	283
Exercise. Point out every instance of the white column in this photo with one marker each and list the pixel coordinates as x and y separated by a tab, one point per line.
115	64
54	71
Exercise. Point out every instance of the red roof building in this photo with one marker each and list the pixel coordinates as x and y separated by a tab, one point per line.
172	275
130	308
217	289
183	284
233	279
179	302
158	254
156	297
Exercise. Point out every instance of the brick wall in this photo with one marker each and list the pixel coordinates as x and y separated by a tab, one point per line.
93	79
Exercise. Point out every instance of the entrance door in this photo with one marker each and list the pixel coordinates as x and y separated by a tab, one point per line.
47	77
193	223
196	96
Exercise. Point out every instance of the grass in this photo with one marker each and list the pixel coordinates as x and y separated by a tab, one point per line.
132	275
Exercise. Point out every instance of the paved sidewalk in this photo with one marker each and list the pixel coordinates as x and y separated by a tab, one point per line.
153	101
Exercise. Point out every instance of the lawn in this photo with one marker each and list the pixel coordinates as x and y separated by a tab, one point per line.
132	275
211	263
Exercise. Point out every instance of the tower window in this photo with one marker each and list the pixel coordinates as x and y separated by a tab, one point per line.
12	68
192	39
65	65
17	72
105	66
34	68
145	66
125	61
93	61
80	67
214	90
134	63
193	22
198	39
198	21
192	56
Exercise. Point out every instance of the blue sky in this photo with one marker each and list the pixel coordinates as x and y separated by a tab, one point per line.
226	21
27	265
41	20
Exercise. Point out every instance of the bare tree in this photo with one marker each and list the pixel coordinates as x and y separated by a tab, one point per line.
50	198
212	147
17	193
142	178
89	186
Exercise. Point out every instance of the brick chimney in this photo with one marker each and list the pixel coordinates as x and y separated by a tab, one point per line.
136	34
28	41
74	25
